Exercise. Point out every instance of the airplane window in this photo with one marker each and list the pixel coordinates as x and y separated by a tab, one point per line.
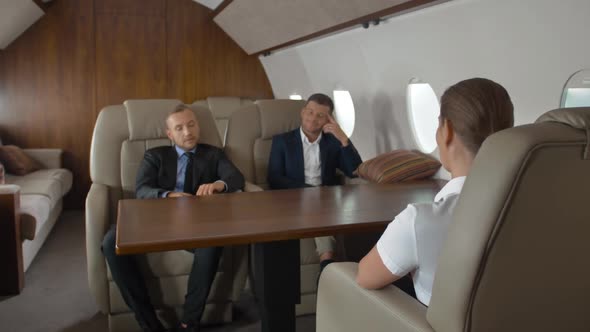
295	97
424	109
344	111
576	92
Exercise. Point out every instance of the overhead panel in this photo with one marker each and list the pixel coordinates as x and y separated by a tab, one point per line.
257	25
16	16
211	4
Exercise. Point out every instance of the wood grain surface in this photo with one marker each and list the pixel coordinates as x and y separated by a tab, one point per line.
240	218
83	55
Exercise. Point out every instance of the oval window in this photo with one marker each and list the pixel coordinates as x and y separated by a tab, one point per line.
576	92
424	109
344	111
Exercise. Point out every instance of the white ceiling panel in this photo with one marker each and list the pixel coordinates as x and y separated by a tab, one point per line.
257	25
15	17
212	4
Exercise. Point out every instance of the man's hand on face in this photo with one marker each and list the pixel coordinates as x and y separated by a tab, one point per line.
333	128
177	194
210	188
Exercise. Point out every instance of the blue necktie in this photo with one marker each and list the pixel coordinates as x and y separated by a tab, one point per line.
188	174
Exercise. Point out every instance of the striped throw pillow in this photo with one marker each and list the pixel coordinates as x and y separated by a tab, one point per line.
398	166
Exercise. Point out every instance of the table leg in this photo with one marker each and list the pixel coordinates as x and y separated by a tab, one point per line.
277	284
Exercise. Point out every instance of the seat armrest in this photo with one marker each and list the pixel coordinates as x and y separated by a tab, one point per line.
355	181
251	187
97	224
49	158
28	227
12	278
342	305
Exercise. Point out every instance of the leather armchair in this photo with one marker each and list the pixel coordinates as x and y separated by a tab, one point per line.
222	108
121	135
516	255
248	143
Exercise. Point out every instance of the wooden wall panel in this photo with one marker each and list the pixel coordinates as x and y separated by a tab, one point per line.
203	61
132	7
130	58
48	78
86	54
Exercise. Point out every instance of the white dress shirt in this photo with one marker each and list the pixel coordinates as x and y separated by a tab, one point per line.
413	240
311	160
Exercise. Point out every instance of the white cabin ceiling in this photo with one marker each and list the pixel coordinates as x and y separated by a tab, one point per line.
16	16
211	4
258	25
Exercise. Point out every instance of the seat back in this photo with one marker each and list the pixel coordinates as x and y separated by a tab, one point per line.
517	253
250	132
121	136
222	108
124	132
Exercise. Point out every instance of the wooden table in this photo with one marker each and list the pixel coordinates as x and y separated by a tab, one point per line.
273	221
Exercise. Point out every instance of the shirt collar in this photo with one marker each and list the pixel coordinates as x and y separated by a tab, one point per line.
305	140
181	152
452	187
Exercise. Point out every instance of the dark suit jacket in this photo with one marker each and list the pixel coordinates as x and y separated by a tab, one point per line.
157	172
286	166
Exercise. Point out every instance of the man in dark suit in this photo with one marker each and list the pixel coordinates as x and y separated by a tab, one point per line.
185	169
309	156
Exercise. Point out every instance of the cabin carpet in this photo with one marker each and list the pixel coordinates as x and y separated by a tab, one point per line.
56	297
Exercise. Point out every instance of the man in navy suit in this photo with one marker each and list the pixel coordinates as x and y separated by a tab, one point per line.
185	169
309	156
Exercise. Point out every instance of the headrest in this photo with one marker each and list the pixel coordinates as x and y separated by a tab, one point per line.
575	117
146	117
147	120
278	116
223	107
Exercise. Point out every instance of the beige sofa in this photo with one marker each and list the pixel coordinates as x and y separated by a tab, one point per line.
41	196
121	135
516	255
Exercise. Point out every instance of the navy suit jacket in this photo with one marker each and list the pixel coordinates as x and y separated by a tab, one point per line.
286	166
157	172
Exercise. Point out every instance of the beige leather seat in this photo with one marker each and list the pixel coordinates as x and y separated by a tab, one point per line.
222	108
517	254
248	144
121	136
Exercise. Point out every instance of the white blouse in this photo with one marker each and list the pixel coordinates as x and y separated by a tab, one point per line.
413	240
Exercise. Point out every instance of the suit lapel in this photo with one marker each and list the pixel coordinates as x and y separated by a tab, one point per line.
323	156
296	147
170	161
199	165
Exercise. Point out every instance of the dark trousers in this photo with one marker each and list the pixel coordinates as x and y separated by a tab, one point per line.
406	284
127	276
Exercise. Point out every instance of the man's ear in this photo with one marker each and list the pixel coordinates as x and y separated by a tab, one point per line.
169	134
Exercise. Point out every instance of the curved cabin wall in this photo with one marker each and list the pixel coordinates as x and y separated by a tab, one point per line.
86	54
529	46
